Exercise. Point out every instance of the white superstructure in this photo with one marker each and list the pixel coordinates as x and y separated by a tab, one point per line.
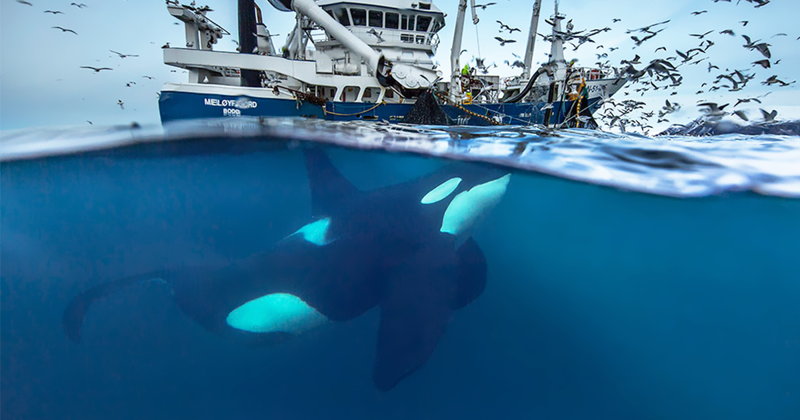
370	51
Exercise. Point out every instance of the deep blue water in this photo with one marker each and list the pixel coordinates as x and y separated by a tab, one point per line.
602	302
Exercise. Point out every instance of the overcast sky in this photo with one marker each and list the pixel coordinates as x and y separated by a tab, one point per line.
42	84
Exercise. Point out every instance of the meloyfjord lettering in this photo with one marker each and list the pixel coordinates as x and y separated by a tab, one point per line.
239	103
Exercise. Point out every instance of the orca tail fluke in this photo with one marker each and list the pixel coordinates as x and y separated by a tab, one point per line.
77	308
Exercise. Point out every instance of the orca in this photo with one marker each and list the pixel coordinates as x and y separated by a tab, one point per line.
405	248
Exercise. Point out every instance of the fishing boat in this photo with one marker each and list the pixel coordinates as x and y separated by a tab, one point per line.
371	60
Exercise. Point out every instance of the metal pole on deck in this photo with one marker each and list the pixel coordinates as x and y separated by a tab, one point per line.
247	40
537	5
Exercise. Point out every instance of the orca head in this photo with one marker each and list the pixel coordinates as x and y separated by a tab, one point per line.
469	193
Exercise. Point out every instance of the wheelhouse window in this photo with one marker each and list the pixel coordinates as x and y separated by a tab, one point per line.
404	22
359	17
375	19
423	22
392	21
342	16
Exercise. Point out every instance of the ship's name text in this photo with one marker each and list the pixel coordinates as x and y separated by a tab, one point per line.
239	103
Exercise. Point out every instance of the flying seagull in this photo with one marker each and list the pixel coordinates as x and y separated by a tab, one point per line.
772	80
65	29
741	114
762	47
504	27
78	5
763	63
484	6
121	55
746	100
24	2
701	36
504	41
55	12
713	109
769	116
96	69
646	28
377	34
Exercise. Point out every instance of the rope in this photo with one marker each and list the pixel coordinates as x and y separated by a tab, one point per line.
325	110
503	114
457	105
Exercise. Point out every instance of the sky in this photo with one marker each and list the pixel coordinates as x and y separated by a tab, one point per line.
42	84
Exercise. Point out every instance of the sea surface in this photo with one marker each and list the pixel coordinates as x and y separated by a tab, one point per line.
628	277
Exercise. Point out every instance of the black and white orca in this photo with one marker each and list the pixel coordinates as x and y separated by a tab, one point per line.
406	248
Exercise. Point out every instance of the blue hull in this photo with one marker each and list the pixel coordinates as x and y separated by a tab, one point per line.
185	105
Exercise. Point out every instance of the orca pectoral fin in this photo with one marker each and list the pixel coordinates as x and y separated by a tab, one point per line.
77	308
416	313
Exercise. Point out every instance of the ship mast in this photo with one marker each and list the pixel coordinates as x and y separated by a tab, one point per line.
455	52
537	6
557	47
247	40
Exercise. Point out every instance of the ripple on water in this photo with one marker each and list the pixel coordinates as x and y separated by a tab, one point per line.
676	166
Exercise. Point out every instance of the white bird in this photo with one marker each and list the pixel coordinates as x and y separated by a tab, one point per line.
121	55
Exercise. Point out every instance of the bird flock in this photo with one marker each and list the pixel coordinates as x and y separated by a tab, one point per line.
663	72
77	8
660	73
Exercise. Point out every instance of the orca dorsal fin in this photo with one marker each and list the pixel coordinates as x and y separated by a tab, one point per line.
329	188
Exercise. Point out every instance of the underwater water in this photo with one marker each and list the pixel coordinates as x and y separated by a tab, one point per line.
628	277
